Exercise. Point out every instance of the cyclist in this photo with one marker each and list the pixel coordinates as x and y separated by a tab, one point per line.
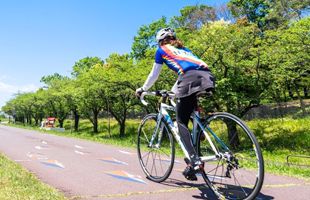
194	77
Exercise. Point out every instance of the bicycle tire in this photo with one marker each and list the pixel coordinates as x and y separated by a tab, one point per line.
156	153
242	162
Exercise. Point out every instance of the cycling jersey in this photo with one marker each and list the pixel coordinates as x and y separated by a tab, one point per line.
179	60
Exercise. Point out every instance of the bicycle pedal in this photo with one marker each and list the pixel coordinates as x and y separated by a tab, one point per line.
190	174
187	161
191	178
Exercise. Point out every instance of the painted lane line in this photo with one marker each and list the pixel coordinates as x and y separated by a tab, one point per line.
43	142
40	147
123	175
37	156
53	163
113	161
285	185
79	152
120	195
126	152
22	160
163	191
78	147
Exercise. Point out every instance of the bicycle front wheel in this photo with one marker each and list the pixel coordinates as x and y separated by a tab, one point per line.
155	148
238	170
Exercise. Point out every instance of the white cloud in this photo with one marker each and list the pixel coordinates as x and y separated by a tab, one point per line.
8	90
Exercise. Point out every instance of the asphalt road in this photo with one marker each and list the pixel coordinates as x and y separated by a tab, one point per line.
88	170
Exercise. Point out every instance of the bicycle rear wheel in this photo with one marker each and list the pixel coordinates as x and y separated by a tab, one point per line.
238	172
156	158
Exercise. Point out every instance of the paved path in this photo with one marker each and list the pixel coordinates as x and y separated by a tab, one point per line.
88	170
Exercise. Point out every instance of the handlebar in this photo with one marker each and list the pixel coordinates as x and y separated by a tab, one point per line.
161	93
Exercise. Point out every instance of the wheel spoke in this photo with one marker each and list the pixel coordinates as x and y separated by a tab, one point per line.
145	136
237	168
153	162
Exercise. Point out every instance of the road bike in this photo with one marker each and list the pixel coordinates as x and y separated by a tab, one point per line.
233	165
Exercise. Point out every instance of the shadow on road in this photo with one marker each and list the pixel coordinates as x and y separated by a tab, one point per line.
205	191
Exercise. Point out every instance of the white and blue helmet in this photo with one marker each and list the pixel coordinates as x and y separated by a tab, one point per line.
163	33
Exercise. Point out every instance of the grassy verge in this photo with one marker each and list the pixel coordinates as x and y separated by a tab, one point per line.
17	183
278	138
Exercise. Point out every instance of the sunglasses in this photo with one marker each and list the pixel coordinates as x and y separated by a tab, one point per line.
171	38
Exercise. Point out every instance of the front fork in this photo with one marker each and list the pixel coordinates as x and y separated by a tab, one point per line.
158	131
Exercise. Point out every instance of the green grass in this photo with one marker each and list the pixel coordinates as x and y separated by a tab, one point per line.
276	162
278	138
16	183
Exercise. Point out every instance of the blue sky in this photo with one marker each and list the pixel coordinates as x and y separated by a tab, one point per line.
39	38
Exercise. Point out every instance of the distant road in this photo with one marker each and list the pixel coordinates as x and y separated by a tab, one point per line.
88	170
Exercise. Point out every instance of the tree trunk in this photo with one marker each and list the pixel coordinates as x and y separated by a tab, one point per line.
76	121
306	92
29	120
36	121
109	119
95	122
290	92
123	124
122	128
232	134
302	105
61	122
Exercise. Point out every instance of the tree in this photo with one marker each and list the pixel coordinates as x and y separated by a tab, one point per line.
89	102
145	38
269	14
84	64
72	98
56	102
254	10
20	108
121	77
194	17
50	79
233	54
9	109
38	100
290	56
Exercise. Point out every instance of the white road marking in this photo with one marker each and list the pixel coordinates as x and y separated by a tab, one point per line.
78	147
22	160
79	152
38	156
125	152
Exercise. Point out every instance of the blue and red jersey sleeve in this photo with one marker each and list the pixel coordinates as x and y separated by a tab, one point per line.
158	57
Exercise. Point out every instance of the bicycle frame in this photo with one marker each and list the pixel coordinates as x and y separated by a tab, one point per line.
163	114
220	173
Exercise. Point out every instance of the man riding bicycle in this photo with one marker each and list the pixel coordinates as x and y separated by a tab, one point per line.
194	77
